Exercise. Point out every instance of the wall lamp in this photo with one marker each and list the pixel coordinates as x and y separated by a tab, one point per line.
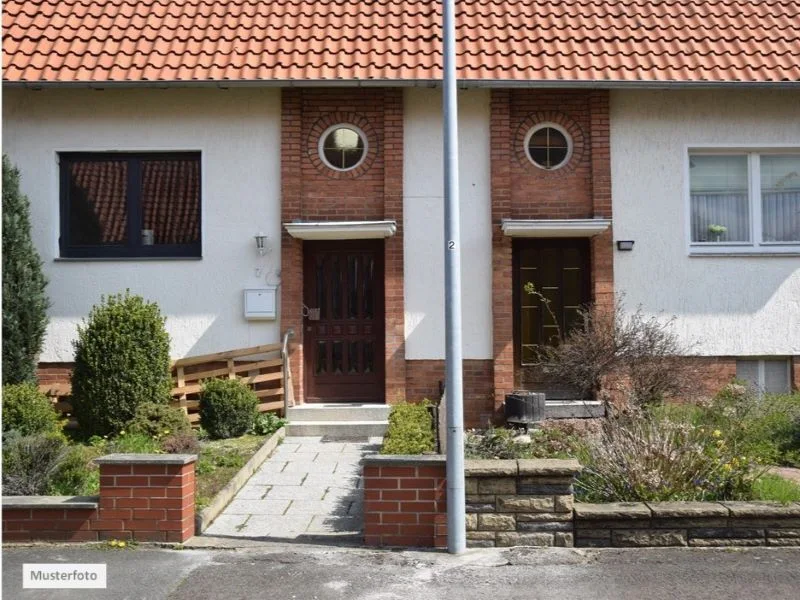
261	243
624	245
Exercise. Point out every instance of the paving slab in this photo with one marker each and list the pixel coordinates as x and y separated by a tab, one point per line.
308	488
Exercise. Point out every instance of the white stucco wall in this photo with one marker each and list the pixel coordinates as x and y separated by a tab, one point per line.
238	133
423	217
725	305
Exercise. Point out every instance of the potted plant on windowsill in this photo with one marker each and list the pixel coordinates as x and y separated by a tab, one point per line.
716	232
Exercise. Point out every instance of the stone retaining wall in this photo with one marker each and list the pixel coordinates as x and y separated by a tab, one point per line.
520	502
143	497
701	524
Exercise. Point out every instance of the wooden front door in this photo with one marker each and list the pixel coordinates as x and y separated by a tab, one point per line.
343	323
557	274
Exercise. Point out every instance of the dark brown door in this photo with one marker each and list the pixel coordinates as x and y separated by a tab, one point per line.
344	342
551	283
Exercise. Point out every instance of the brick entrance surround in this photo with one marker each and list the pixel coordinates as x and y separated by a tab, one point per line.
579	190
372	191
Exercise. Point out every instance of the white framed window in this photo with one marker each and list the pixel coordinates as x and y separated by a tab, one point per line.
343	147
744	201
766	376
548	146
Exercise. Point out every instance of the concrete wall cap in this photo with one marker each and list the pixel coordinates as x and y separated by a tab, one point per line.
58	502
146	459
612	510
386	460
687	509
549	467
490	468
763	509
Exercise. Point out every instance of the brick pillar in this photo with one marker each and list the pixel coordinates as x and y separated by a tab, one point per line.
405	501
502	299
393	252
292	249
602	246
146	497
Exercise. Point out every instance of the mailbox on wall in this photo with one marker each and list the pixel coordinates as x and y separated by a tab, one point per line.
260	303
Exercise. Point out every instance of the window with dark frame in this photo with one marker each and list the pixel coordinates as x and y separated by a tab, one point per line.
130	205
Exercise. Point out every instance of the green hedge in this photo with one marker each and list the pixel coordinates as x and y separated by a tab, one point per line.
410	430
121	361
227	408
27	410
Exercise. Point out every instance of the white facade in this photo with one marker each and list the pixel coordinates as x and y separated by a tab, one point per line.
238	134
423	223
723	305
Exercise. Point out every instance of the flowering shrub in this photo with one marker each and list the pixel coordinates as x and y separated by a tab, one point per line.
642	457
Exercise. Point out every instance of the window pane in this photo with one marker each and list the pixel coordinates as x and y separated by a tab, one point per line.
170	201
780	198
719	198
776	376
747	371
548	147
97	201
343	148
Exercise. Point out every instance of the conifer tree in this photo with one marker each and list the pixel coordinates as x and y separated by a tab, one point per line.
25	302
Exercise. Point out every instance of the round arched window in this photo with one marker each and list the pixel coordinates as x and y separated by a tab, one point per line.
343	147
548	146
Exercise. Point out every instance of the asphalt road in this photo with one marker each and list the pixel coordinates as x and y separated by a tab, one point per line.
278	572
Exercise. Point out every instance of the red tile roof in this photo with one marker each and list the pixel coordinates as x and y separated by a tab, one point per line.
392	40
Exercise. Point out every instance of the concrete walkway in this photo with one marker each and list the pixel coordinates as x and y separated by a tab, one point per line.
309	489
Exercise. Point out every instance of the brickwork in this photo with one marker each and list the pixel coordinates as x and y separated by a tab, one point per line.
405	502
49	373
502	294
145	498
373	191
423	378
520	190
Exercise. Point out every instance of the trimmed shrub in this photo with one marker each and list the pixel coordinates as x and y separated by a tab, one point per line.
158	420
227	408
27	410
410	430
121	361
25	302
181	443
31	462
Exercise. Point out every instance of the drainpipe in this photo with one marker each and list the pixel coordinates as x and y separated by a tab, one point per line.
456	501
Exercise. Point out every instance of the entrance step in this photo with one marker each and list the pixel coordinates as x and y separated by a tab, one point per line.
338	412
341	420
574	409
344	429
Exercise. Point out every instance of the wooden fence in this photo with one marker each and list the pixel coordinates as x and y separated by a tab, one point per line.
260	367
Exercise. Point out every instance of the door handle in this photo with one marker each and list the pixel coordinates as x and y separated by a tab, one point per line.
312	314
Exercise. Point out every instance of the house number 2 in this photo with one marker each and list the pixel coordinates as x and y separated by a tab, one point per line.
451	245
